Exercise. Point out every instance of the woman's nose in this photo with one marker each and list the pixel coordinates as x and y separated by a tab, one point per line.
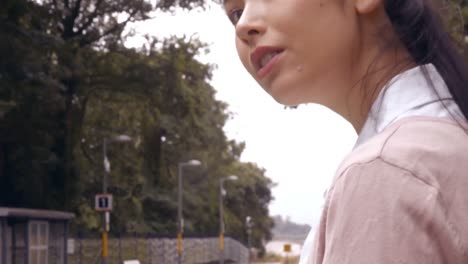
250	26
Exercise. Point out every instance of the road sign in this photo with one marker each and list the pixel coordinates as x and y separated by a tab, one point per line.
103	202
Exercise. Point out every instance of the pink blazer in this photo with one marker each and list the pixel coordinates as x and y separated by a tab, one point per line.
400	197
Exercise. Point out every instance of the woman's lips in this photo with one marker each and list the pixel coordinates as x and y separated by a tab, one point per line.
268	67
264	58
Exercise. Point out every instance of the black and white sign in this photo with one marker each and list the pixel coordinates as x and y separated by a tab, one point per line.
103	202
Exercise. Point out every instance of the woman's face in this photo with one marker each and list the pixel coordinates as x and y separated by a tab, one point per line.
299	51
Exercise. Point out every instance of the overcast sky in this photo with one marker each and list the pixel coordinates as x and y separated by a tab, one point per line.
299	148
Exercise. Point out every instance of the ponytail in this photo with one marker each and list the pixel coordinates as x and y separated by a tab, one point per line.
421	31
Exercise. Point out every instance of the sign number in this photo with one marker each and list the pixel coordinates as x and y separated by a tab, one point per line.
103	202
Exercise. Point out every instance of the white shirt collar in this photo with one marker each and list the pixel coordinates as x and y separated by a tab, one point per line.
409	94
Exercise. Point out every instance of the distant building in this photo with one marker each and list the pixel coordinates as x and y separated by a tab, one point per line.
277	248
30	236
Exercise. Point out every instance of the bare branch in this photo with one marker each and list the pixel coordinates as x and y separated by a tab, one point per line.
90	19
109	31
76	10
84	149
55	4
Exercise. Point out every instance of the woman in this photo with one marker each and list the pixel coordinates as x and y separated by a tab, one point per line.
388	67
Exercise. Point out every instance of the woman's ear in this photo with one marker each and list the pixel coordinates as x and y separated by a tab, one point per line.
367	6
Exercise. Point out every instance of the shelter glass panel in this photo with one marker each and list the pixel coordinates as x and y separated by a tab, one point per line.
19	242
57	243
38	242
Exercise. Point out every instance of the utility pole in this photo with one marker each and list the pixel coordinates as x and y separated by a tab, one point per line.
106	215
180	218
248	223
221	215
104	201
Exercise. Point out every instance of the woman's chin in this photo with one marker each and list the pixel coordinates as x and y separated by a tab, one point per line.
286	92
285	95
288	99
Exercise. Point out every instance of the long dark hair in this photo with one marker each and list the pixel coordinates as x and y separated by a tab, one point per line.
420	29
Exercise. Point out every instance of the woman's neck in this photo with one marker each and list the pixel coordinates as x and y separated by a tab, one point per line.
370	81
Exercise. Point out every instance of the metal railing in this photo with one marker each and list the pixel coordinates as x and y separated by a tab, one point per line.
153	250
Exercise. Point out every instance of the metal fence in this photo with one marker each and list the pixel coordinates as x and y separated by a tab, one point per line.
150	250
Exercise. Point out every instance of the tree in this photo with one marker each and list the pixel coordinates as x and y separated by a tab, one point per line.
29	129
72	88
47	44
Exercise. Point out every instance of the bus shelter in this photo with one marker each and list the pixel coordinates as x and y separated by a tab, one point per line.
31	236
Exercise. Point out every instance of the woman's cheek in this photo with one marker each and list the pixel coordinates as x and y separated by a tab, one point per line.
243	53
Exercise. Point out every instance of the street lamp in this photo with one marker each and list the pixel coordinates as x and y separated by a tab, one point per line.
106	163
180	219
222	192
249	224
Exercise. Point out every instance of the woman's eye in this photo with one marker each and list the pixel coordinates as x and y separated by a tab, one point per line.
235	16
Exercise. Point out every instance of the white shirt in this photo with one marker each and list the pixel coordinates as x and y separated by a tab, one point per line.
407	94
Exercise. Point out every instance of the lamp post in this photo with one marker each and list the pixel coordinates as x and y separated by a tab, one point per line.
180	219
249	224
221	216
106	163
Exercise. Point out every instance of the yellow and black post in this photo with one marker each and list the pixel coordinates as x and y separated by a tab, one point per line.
104	247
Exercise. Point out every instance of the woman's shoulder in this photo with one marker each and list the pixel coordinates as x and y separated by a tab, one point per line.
433	151
415	172
429	147
422	143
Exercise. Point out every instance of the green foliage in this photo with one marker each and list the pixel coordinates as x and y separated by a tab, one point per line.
68	83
